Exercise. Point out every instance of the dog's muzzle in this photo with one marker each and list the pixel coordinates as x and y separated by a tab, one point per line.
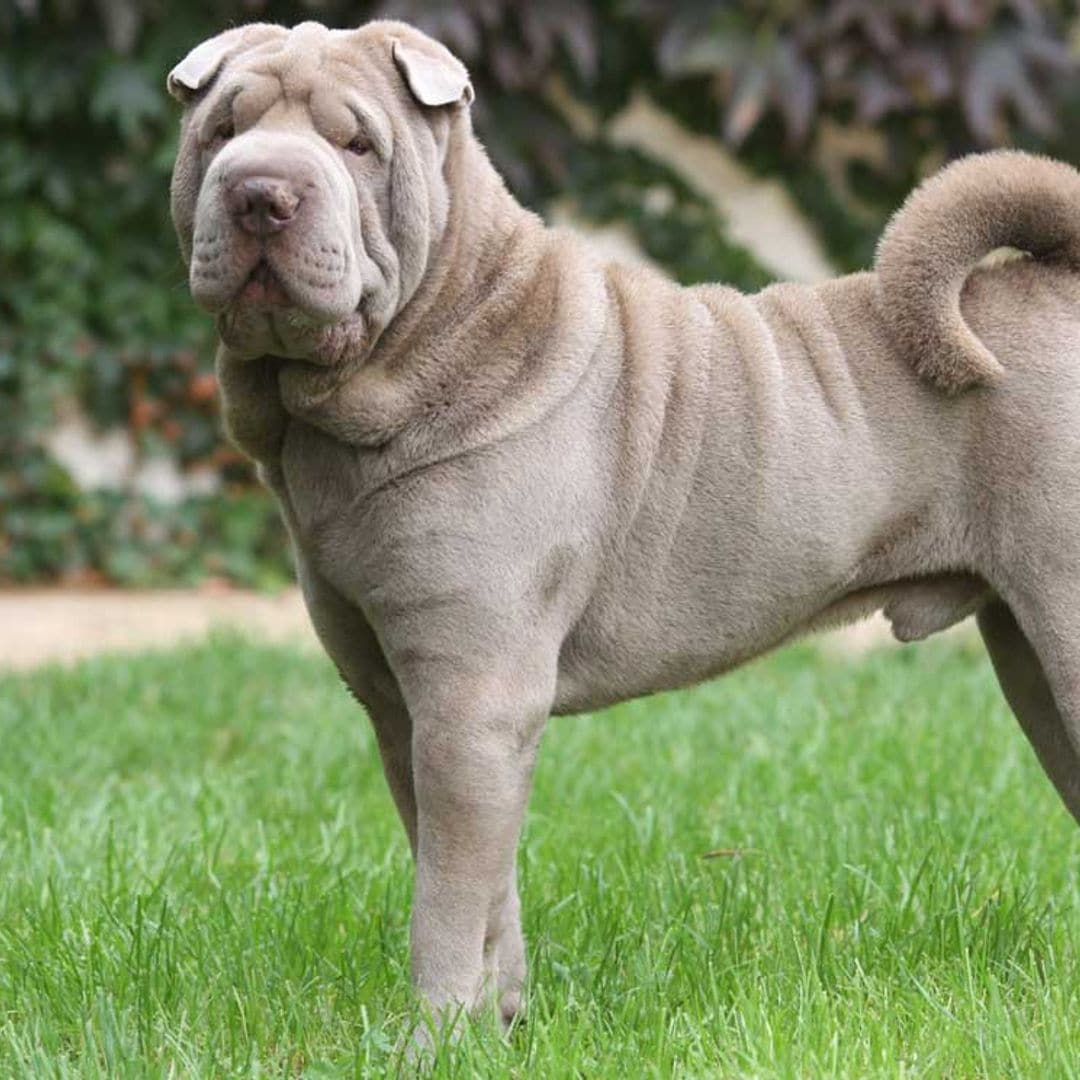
262	205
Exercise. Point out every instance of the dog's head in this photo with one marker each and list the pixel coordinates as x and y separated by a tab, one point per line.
309	189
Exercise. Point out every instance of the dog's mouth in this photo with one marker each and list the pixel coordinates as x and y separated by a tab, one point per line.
263	288
264	317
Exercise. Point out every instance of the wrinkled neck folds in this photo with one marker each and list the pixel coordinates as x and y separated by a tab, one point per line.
471	277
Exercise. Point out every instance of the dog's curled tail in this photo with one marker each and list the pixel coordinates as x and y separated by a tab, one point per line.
947	225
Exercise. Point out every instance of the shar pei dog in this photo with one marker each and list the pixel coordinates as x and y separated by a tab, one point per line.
523	480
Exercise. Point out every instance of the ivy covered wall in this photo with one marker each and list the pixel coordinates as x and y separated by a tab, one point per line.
844	102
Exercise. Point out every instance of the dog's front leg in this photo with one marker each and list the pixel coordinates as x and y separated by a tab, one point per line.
474	746
504	950
352	645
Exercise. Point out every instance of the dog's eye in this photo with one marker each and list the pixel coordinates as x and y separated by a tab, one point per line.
358	146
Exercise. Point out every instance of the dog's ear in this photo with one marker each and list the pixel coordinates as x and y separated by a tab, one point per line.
200	67
434	74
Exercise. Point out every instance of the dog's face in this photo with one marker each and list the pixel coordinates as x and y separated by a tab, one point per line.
308	190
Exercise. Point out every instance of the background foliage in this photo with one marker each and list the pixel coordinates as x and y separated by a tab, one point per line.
94	311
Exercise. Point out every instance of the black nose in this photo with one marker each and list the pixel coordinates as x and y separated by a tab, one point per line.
262	204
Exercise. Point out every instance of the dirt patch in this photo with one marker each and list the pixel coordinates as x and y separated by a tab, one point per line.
39	626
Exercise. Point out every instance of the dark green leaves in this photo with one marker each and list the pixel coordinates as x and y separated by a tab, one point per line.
94	307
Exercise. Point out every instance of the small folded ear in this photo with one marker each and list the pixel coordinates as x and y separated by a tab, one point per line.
434	74
198	69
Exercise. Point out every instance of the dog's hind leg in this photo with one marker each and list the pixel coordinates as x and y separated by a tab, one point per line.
1026	688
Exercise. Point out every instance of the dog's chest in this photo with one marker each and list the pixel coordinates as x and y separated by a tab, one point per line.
481	527
323	481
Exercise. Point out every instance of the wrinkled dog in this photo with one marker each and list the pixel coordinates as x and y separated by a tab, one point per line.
520	480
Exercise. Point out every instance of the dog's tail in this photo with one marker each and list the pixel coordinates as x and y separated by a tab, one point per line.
947	225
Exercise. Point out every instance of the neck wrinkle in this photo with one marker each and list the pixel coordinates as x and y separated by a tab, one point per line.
464	361
483	223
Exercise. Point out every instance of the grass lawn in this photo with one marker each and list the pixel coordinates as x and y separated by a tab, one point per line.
201	875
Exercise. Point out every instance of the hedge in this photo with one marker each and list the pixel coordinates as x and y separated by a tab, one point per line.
94	312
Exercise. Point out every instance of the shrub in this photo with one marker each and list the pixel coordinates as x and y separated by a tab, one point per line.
94	308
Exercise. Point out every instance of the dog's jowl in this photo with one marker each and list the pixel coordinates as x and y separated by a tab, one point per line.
522	480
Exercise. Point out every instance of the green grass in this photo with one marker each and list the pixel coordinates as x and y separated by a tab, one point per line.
201	875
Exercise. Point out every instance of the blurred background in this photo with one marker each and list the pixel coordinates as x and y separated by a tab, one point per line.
721	141
202	872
